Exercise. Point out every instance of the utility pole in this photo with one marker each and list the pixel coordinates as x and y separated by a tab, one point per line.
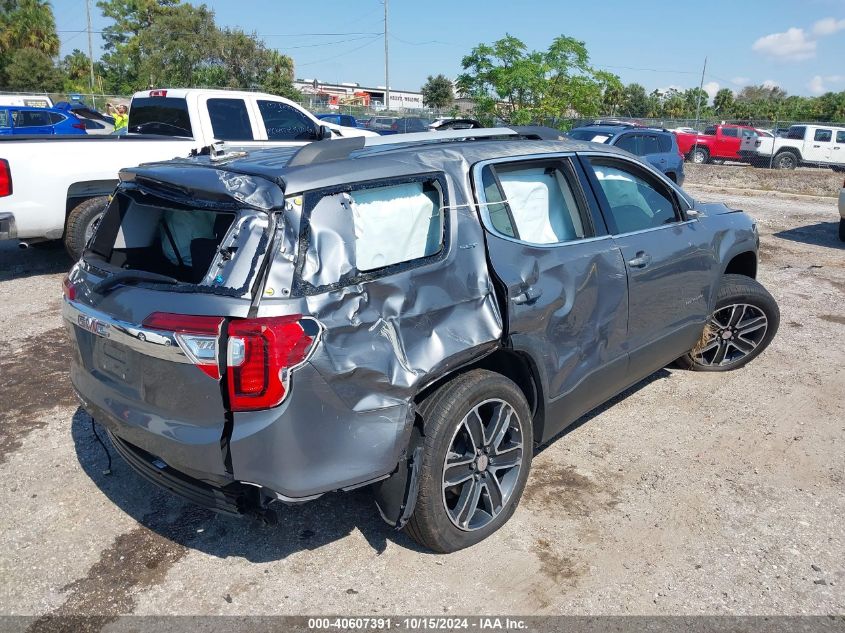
700	88
90	49
386	64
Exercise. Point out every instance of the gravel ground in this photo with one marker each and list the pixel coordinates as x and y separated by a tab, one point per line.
688	494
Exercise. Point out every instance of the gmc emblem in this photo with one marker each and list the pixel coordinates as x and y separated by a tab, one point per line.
95	326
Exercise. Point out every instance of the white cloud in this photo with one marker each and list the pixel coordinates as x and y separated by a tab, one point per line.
828	26
819	85
740	81
792	45
711	88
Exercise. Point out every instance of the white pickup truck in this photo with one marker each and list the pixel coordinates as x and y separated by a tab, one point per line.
55	187
822	145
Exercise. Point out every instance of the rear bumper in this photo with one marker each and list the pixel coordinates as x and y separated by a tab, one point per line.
8	227
230	499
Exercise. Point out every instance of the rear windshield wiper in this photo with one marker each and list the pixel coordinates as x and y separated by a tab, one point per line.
132	276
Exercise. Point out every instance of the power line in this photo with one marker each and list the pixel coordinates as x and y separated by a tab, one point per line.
379	33
326	59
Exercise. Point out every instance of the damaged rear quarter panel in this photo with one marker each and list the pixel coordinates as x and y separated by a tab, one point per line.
387	334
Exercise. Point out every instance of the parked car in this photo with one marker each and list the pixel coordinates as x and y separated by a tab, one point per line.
822	145
842	213
346	120
407	125
279	325
717	142
95	121
381	124
163	123
19	120
656	146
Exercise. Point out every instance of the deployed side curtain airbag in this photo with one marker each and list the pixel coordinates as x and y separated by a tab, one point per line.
541	212
394	224
180	228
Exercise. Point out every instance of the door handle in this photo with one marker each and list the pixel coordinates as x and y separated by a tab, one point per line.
642	260
816	145
529	295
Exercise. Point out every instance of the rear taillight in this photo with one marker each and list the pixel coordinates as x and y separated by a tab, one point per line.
260	356
68	289
78	126
158	93
5	178
198	337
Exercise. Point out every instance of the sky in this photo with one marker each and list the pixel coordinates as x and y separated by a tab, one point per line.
798	45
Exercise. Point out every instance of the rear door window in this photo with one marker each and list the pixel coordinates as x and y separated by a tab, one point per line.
665	142
32	118
285	123
167	116
230	120
55	117
534	202
650	144
823	136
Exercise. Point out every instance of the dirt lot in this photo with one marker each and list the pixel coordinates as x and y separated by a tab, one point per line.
690	494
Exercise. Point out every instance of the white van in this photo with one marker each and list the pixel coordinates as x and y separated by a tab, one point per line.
25	100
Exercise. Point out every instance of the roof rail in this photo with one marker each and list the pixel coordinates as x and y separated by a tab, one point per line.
337	149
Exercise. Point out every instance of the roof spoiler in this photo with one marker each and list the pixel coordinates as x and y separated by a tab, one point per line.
338	149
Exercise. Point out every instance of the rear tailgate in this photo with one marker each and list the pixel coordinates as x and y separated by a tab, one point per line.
147	308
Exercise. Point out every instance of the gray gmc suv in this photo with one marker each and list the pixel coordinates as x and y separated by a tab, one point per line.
414	313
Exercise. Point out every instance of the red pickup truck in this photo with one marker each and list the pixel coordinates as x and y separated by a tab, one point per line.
717	141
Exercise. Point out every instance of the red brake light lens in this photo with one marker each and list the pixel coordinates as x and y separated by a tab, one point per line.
79	126
158	93
68	289
261	353
5	178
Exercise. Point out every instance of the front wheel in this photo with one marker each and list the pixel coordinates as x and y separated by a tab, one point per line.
82	221
743	324
476	456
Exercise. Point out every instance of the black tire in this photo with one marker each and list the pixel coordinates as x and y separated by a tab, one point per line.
80	221
736	290
842	229
442	413
785	160
699	155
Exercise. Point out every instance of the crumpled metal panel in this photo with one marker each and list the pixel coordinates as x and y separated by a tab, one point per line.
387	336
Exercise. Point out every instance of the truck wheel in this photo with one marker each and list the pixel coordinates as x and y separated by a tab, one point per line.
81	223
476	456
785	160
743	324
700	156
842	229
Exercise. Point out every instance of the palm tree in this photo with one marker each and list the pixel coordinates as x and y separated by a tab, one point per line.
28	24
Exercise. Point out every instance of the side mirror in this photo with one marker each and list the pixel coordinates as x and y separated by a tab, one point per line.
692	214
324	132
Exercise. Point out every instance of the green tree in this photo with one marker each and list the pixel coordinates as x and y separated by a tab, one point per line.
28	24
506	80
634	101
31	69
437	92
723	102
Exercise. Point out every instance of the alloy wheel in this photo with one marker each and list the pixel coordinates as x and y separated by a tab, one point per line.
732	333
482	464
